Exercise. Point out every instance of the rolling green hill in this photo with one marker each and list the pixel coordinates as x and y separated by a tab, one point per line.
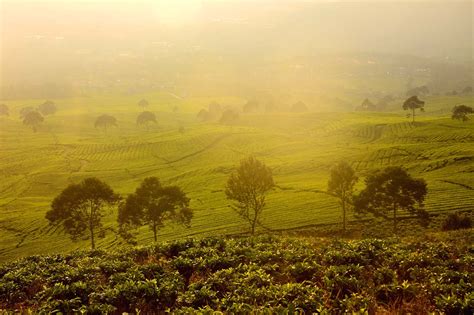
300	148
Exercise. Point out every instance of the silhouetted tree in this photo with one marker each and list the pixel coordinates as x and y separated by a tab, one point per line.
80	208
214	108
143	103
366	105
47	108
203	115
299	107
33	119
229	117
25	110
461	112
4	111
341	185
104	121
154	204
467	90
247	187
390	190
413	103
250	106
146	118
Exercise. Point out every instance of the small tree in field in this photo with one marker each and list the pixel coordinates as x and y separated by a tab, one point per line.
105	121
247	187
4	110
341	185
391	190
33	119
47	108
413	103
154	204
461	112
143	103
146	118
80	208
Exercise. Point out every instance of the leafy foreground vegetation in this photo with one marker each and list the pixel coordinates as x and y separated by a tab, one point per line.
433	273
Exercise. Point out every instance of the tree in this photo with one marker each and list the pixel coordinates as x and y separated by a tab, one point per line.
299	107
460	112
247	187
143	103
4	111
104	121
250	106
33	119
467	90
80	208
204	115
145	118
341	185
229	117
366	105
47	108
413	103
390	190
25	110
154	204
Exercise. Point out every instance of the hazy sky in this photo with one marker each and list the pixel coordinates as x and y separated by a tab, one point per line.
50	32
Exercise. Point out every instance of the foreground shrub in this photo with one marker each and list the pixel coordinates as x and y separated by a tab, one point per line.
244	275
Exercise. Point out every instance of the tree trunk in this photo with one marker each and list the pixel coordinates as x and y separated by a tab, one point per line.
343	215
413	116
253	225
394	219
154	231
91	226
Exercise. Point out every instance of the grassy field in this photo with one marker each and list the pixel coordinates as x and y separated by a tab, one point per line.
300	148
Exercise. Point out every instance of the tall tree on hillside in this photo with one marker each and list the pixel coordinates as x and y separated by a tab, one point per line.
4	111
47	108
105	121
413	103
25	110
154	204
229	117
33	119
391	190
461	112
248	187
341	185
80	208
146	118
143	103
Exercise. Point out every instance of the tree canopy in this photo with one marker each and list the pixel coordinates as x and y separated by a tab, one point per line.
4	111
104	121
155	204
413	103
299	107
461	112
80	208
47	108
143	103
33	119
341	185
247	187
145	118
390	190
229	116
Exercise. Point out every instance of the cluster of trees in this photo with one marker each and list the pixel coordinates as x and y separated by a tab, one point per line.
30	115
81	207
216	112
387	192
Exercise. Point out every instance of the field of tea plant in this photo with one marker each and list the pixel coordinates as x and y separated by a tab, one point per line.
425	275
180	150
